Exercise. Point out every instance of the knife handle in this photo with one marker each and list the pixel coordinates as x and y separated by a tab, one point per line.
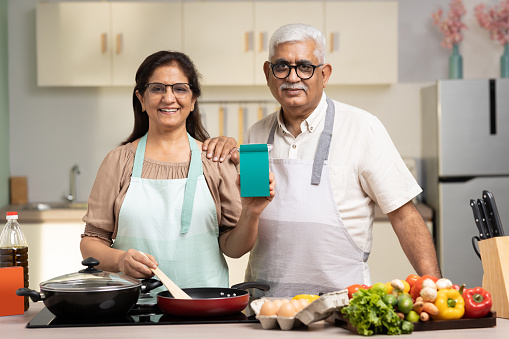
477	218
484	220
492	215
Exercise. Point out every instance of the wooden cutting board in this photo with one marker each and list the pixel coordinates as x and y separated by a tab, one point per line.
432	325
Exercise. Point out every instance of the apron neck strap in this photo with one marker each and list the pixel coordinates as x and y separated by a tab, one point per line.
322	150
138	158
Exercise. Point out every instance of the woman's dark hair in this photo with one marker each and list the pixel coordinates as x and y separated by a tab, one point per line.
149	65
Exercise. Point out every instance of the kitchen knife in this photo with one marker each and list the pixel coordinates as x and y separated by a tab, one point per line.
477	218
482	219
492	215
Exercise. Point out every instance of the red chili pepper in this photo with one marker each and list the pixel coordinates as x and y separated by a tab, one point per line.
415	291
478	302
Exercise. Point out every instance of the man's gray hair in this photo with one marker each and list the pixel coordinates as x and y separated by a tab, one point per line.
298	33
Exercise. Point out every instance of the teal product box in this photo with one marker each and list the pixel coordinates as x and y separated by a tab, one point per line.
254	170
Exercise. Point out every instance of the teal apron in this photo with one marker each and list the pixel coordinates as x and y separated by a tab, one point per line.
176	222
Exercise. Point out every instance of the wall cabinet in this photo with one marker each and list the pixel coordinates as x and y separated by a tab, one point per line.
231	49
362	42
101	43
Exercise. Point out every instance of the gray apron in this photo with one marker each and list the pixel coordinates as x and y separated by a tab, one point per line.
176	222
302	245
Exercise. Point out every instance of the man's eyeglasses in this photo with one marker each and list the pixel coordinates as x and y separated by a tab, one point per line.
179	90
304	71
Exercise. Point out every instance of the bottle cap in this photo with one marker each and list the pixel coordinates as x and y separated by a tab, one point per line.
12	215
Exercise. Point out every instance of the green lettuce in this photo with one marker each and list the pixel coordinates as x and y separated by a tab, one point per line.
370	315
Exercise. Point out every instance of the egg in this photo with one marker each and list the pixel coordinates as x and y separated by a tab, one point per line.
304	303
296	304
268	308
277	303
287	310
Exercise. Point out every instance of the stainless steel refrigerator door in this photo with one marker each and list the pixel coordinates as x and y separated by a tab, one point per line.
473	136
455	226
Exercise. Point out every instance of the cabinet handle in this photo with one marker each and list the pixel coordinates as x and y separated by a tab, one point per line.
261	42
246	42
334	42
104	43
119	43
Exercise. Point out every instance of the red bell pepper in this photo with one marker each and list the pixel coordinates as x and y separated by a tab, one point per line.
415	291
478	302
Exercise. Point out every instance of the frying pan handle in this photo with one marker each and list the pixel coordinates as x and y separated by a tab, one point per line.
254	284
149	285
34	295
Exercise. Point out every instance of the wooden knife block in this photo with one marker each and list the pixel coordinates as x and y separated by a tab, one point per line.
495	262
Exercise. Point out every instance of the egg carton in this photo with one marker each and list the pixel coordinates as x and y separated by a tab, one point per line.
320	309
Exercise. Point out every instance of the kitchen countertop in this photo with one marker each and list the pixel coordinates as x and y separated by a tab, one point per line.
50	215
14	327
76	214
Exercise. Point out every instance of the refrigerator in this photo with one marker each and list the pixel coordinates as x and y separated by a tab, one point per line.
465	150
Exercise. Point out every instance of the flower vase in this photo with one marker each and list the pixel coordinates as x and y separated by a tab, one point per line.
455	64
504	62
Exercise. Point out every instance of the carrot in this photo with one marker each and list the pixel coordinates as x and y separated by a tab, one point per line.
430	308
424	316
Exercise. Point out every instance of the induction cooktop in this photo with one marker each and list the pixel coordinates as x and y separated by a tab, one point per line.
145	312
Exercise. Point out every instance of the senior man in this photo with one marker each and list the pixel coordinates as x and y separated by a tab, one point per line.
333	163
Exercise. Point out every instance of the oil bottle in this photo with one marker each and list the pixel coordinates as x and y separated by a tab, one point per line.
14	247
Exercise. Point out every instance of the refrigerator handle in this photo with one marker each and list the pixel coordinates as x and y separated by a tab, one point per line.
493	107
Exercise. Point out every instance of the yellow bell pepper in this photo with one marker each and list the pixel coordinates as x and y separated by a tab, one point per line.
450	305
309	297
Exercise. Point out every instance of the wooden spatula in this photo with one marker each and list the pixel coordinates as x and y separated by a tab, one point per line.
169	284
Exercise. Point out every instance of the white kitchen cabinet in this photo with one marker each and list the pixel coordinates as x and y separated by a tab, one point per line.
218	36
362	42
101	43
53	250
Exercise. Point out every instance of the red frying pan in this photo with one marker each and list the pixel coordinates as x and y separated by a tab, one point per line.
209	301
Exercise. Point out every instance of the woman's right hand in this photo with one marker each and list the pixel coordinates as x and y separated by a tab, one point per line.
137	264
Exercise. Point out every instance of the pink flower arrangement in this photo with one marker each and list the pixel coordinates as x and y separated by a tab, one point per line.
451	25
495	20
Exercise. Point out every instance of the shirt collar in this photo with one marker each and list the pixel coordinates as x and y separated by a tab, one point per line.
312	121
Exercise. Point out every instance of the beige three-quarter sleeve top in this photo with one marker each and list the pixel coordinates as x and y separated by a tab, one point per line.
114	175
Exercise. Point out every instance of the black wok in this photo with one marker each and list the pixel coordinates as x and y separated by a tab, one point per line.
90	293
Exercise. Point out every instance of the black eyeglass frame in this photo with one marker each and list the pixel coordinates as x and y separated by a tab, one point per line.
166	86
290	67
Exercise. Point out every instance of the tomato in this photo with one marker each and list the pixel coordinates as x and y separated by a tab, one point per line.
416	289
411	279
354	288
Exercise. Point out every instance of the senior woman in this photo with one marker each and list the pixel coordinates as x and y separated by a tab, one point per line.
157	194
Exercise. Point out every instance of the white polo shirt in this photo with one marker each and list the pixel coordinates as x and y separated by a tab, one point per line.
365	166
